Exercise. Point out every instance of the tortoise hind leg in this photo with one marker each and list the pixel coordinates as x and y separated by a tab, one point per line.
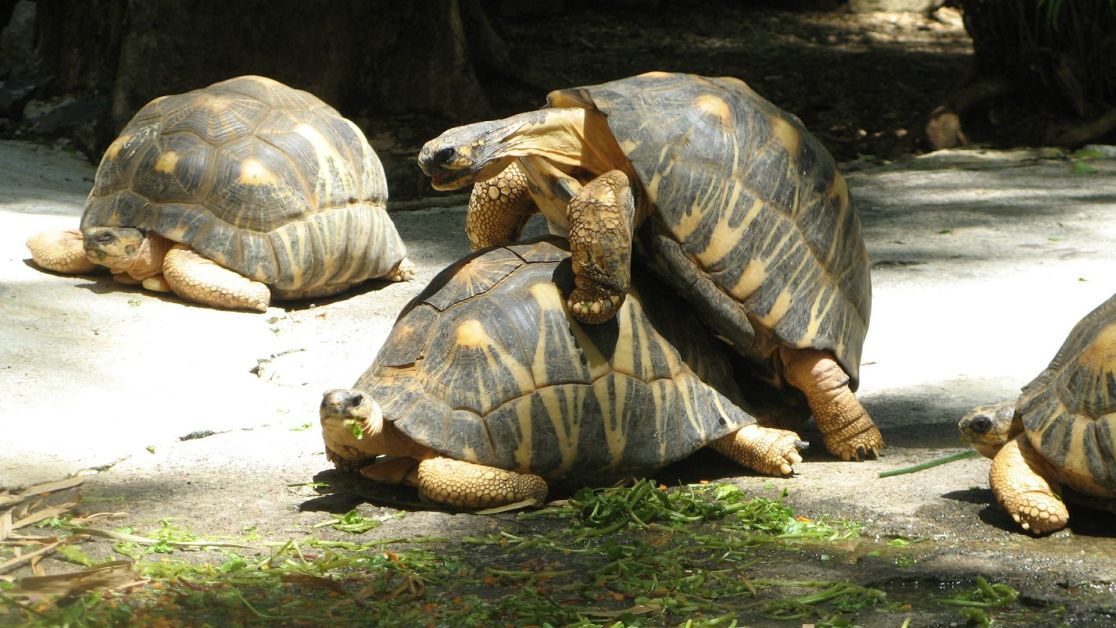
473	486
403	271
201	280
765	449
847	429
1028	496
61	252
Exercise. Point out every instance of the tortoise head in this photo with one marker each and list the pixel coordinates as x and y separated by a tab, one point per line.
115	247
352	426
477	152
355	431
987	428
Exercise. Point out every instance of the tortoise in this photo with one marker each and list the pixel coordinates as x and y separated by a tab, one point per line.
727	198
1058	439
234	193
487	389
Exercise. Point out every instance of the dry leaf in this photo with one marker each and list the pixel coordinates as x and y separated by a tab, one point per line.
112	575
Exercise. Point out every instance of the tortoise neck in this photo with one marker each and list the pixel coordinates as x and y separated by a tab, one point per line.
148	260
570	138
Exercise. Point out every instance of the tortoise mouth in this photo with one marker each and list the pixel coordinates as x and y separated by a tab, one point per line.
446	180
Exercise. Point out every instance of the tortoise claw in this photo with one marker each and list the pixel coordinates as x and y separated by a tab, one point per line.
593	309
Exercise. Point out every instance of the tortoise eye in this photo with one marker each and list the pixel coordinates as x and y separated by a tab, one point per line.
980	424
104	238
355	400
445	155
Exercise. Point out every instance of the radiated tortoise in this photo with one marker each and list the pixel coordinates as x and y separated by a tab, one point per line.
729	199
1058	439
232	194
487	388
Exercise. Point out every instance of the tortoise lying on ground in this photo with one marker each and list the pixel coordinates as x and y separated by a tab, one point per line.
233	193
486	388
729	199
1059	438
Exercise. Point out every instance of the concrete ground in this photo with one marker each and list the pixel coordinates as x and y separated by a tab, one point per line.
982	262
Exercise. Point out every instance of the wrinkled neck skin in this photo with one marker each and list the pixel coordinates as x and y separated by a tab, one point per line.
130	251
578	147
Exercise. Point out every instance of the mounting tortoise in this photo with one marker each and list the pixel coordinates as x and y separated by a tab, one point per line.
232	194
487	388
1058	439
727	198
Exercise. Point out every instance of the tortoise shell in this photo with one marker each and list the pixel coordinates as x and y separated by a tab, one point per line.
487	365
751	220
261	178
1069	410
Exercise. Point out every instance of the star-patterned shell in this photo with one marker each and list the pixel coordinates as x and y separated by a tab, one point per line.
751	220
486	365
261	178
1069	410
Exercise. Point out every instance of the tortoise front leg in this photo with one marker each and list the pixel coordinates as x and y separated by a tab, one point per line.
601	217
499	208
61	252
473	486
201	280
765	449
1029	497
847	429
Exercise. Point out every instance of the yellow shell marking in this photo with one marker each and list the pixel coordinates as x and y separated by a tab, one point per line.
839	191
689	221
786	135
594	359
117	145
716	107
817	312
1101	353
562	415
750	280
628	146
213	103
549	300
524	449
470	333
628	338
612	408
725	238
778	310
252	172
166	162
658	394
327	155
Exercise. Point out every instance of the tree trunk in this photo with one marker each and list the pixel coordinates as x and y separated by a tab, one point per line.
1056	59
367	58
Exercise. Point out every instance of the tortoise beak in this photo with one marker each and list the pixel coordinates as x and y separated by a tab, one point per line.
447	166
467	154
